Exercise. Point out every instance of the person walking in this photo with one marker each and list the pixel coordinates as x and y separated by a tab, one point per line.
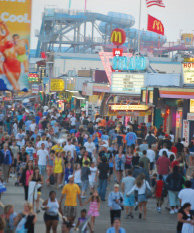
58	170
38	178
119	165
51	215
115	203
140	185
127	184
94	208
185	219
174	184
6	161
24	179
145	161
163	165
72	191
103	169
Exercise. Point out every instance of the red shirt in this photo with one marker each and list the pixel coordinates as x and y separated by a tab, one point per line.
174	149
174	163
159	186
163	164
40	114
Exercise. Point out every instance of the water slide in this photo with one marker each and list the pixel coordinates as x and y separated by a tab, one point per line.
107	23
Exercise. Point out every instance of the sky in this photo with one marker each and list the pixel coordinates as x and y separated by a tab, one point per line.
176	16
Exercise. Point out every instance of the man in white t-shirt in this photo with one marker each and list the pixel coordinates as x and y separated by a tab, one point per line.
70	147
187	195
42	156
164	149
30	150
151	157
44	141
90	147
32	126
73	121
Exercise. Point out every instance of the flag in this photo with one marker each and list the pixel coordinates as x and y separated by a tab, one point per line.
155	3
155	25
69	4
85	4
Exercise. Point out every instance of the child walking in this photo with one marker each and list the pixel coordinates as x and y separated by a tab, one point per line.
158	193
94	208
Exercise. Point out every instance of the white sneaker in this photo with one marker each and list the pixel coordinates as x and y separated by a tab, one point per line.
172	212
176	210
159	210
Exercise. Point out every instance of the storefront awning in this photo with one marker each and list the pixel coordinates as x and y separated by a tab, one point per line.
175	93
77	96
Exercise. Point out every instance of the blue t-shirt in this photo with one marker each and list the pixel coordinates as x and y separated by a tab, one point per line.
112	230
77	150
72	131
37	119
130	138
27	124
105	137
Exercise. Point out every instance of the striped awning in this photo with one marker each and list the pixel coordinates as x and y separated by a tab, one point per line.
177	93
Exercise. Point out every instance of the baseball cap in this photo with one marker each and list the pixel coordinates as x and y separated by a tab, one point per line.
70	176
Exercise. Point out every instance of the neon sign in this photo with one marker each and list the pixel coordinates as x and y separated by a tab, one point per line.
130	63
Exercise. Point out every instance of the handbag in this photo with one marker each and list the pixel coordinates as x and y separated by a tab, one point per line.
148	192
21	226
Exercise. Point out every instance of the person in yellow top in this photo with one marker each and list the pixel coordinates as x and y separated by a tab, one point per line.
57	148
72	191
58	169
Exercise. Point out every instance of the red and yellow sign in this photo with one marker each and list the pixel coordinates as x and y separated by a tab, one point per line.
15	23
118	36
155	25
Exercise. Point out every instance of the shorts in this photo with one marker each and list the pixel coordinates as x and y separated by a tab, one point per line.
142	198
15	163
42	169
127	166
110	170
129	201
192	154
70	211
151	166
48	217
92	184
85	184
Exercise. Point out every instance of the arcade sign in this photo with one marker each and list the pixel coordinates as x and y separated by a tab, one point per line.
129	107
130	63
118	36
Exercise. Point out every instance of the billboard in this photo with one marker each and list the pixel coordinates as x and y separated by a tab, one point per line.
15	23
57	84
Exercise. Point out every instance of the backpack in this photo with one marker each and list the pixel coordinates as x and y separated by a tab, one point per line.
52	180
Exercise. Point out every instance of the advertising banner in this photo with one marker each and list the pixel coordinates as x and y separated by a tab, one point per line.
57	85
188	72
155	25
186	131
15	23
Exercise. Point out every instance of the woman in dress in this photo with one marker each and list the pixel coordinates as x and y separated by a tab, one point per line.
140	185
94	208
185	219
58	169
119	164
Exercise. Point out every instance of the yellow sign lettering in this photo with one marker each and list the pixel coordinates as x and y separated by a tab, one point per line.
116	36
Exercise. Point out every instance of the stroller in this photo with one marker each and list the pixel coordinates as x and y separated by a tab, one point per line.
19	169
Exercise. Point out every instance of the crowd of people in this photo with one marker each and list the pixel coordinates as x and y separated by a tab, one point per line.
44	147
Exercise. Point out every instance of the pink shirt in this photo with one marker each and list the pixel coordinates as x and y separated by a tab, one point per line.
28	174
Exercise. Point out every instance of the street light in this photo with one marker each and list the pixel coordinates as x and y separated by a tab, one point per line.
181	32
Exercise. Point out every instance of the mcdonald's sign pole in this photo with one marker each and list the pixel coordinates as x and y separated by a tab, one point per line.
139	28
